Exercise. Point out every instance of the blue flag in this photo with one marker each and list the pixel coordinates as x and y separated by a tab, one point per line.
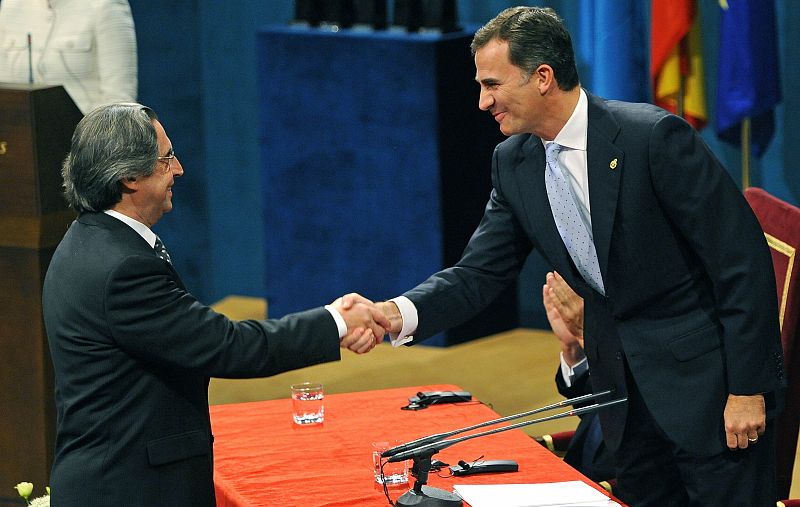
614	31
748	84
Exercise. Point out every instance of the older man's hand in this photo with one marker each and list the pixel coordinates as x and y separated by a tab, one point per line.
366	324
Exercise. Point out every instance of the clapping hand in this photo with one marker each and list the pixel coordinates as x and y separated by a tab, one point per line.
565	313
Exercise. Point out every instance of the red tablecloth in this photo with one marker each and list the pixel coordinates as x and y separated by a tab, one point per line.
263	459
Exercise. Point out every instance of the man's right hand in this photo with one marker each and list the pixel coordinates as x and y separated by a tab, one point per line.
392	312
366	324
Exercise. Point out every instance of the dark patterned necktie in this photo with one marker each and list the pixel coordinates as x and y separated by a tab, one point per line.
161	250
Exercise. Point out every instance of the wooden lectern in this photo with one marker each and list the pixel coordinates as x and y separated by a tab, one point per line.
36	125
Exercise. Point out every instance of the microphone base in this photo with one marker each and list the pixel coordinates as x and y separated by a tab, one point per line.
430	497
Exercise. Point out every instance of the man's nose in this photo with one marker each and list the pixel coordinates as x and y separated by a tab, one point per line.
178	168
485	100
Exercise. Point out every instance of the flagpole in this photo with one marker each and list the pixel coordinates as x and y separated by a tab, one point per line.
745	153
683	53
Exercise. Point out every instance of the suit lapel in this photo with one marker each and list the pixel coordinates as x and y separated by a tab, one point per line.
127	236
605	163
529	174
177	277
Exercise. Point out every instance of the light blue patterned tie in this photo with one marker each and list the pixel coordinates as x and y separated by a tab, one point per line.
573	230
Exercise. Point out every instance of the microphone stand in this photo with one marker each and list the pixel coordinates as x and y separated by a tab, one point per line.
441	436
426	496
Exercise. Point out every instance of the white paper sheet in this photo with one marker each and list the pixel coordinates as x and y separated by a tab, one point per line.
575	493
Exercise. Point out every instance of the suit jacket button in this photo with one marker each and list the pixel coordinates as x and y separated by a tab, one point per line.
619	355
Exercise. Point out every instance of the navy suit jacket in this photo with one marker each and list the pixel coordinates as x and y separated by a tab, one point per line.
690	299
586	451
133	352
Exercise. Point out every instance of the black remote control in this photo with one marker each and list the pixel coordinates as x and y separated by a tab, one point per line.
425	399
485	466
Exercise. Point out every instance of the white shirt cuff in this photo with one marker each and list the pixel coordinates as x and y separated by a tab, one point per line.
410	320
569	374
340	323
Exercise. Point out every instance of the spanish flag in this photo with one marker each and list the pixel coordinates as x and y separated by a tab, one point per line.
676	59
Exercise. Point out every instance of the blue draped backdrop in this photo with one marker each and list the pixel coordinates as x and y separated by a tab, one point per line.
198	69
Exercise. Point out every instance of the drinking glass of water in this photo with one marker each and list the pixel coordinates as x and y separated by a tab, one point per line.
307	407
391	474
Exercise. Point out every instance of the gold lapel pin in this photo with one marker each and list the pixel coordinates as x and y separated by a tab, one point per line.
613	164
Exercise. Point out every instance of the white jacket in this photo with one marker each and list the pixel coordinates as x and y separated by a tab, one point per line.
88	46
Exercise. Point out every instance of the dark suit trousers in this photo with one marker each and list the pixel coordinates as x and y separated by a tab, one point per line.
652	471
587	452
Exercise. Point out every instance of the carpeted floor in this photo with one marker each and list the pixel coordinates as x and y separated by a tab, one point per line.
512	372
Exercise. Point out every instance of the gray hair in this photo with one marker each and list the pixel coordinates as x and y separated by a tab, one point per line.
535	36
111	143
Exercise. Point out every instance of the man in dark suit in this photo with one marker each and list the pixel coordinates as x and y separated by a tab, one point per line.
132	349
586	451
630	206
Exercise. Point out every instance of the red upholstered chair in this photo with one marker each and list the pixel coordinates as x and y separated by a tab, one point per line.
780	222
557	443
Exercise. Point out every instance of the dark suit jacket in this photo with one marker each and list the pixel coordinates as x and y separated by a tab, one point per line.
586	452
690	299
133	352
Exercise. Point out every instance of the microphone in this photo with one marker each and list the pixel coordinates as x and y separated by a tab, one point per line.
423	449
30	59
441	436
430	449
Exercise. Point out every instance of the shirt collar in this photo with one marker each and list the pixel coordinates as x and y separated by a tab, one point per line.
573	133
137	226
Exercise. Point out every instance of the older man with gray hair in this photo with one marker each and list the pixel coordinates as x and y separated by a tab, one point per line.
132	349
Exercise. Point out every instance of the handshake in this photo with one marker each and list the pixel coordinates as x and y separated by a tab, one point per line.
367	322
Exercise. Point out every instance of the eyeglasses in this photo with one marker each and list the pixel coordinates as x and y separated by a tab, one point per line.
167	158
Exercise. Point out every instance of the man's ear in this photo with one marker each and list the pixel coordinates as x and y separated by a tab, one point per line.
129	185
545	78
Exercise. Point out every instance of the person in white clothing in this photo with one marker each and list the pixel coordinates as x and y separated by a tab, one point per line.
88	46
